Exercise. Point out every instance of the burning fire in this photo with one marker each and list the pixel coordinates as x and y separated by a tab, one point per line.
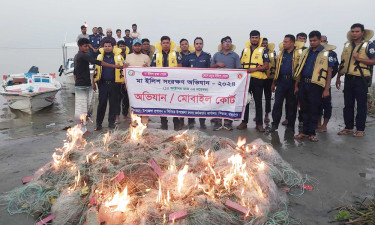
241	142
172	164
219	180
181	175
136	127
75	135
238	169
119	200
76	182
160	198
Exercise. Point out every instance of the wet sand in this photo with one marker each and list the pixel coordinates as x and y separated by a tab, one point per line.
343	165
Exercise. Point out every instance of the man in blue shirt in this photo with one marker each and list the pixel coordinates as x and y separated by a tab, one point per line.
109	90
225	58
165	42
310	94
258	77
197	59
184	45
326	108
128	40
95	39
284	85
357	61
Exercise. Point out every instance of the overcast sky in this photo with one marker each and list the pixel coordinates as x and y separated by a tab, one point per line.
44	23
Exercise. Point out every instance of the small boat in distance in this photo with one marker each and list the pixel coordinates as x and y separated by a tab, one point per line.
29	92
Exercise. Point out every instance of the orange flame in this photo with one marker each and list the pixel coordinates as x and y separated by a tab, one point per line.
160	198
181	175
241	141
106	138
137	127
75	135
238	169
172	164
180	135
76	182
119	200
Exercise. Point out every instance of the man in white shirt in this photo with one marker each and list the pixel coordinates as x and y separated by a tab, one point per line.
118	36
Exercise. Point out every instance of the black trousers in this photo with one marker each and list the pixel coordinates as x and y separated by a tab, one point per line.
256	88
192	120
300	117
355	90
326	109
284	90
108	92
124	101
164	120
268	94
310	98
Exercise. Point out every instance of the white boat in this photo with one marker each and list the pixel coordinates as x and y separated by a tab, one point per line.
67	68
29	92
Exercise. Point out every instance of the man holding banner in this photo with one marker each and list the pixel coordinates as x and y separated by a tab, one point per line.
198	59
188	92
167	57
225	58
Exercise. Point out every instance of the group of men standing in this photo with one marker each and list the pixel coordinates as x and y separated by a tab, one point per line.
300	75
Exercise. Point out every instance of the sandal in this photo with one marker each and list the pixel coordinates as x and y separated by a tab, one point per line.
345	132
300	136
321	130
260	128
313	138
359	133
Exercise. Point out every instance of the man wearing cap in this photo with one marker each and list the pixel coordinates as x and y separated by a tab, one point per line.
95	39
225	58
255	59
135	34
137	59
198	59
357	61
148	49
108	38
128	40
83	33
167	57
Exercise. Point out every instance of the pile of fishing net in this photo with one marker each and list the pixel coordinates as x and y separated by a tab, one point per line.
162	177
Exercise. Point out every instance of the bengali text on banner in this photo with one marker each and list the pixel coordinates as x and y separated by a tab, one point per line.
187	92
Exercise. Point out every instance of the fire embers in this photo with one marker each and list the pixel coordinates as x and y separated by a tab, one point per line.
158	176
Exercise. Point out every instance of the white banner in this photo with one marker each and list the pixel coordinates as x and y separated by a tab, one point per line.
187	92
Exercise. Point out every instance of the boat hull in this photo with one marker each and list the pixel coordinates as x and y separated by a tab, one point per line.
31	103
